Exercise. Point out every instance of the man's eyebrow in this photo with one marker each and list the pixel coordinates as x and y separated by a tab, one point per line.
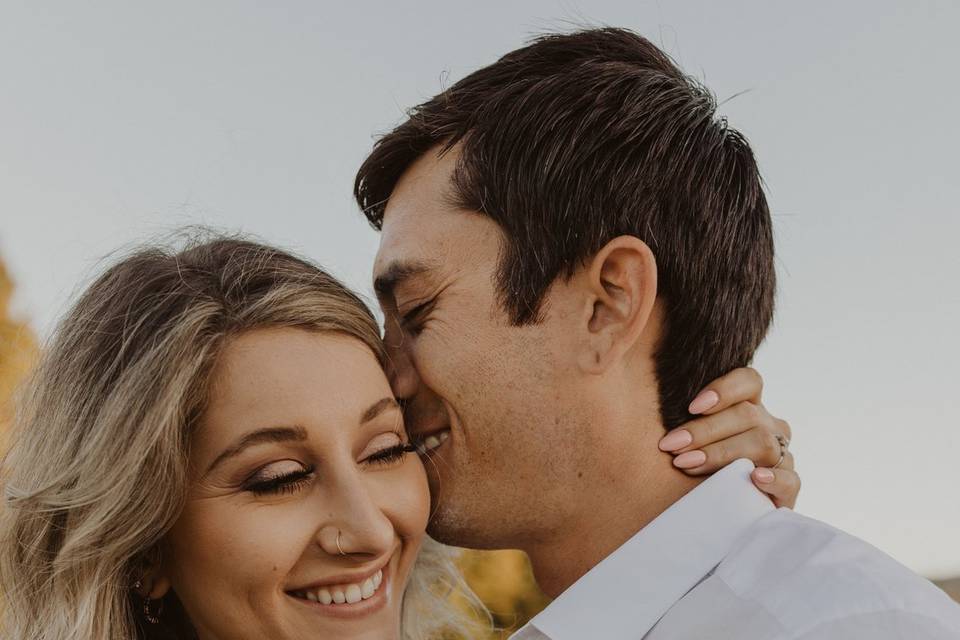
377	408
261	436
396	273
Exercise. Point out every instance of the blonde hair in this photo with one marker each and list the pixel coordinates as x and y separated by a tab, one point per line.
96	472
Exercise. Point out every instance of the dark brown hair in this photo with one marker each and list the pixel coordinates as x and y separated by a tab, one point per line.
578	138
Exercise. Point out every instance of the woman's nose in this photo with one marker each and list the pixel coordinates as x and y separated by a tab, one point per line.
357	526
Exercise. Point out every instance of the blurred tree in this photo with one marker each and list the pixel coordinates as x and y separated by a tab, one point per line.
18	349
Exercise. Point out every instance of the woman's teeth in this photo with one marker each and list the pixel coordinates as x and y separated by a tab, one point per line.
344	593
432	442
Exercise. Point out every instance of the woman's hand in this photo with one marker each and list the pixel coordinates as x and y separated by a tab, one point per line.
734	424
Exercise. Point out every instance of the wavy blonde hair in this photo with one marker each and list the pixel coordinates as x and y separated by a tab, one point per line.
97	469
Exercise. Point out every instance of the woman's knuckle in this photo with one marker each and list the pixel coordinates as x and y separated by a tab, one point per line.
769	445
706	431
751	412
787	431
719	453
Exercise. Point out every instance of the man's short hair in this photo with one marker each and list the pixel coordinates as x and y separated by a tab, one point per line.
578	138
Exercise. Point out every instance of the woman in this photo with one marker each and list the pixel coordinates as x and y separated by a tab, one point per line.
185	458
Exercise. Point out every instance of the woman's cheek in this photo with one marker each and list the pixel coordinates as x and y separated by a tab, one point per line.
243	547
405	499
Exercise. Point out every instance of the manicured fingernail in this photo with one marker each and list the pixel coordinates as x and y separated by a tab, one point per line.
704	402
690	459
676	439
764	476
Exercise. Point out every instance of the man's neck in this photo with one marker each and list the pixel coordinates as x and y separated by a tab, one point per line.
612	508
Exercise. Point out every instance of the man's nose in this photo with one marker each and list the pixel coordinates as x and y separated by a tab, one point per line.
404	380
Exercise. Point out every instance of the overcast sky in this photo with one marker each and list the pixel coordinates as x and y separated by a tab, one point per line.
121	120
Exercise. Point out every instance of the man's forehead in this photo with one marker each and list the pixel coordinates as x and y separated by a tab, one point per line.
425	233
405	252
419	223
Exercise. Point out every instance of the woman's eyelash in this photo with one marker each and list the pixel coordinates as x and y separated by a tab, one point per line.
285	483
290	482
391	454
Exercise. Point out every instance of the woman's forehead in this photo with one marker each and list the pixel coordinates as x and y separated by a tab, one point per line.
292	376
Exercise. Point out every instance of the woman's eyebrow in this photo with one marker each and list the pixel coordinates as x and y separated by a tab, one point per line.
293	434
260	436
377	408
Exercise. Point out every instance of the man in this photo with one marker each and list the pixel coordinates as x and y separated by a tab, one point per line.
573	244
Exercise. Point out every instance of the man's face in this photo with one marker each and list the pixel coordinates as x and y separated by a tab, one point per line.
496	405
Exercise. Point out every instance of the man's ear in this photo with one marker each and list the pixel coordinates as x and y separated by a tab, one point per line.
621	282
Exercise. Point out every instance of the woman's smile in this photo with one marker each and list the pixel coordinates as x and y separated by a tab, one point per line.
347	597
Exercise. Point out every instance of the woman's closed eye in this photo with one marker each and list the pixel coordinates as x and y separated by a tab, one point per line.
385	449
287	476
391	454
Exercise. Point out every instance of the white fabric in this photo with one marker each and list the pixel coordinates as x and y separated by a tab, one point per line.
723	563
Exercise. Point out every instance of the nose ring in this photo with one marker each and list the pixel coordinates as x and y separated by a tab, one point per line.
339	548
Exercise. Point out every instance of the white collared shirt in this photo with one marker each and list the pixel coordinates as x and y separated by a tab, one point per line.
721	562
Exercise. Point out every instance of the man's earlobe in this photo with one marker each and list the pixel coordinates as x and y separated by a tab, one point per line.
622	281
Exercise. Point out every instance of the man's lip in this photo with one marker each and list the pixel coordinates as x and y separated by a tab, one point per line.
344	578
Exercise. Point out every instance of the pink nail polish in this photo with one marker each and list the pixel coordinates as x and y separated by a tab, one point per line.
676	439
704	402
763	475
690	459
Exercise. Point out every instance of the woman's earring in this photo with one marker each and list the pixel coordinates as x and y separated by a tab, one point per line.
151	616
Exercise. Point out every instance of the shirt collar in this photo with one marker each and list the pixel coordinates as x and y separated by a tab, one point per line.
630	590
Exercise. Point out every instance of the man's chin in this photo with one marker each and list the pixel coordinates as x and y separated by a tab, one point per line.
451	530
460	527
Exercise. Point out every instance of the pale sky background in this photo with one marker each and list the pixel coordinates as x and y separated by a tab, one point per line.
120	120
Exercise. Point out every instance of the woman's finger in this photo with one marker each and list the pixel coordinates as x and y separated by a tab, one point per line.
740	385
781	484
706	430
758	444
783	428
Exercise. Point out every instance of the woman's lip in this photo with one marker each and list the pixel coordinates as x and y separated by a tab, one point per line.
345	578
374	603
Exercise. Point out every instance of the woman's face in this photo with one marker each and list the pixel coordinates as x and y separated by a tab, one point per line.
302	442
